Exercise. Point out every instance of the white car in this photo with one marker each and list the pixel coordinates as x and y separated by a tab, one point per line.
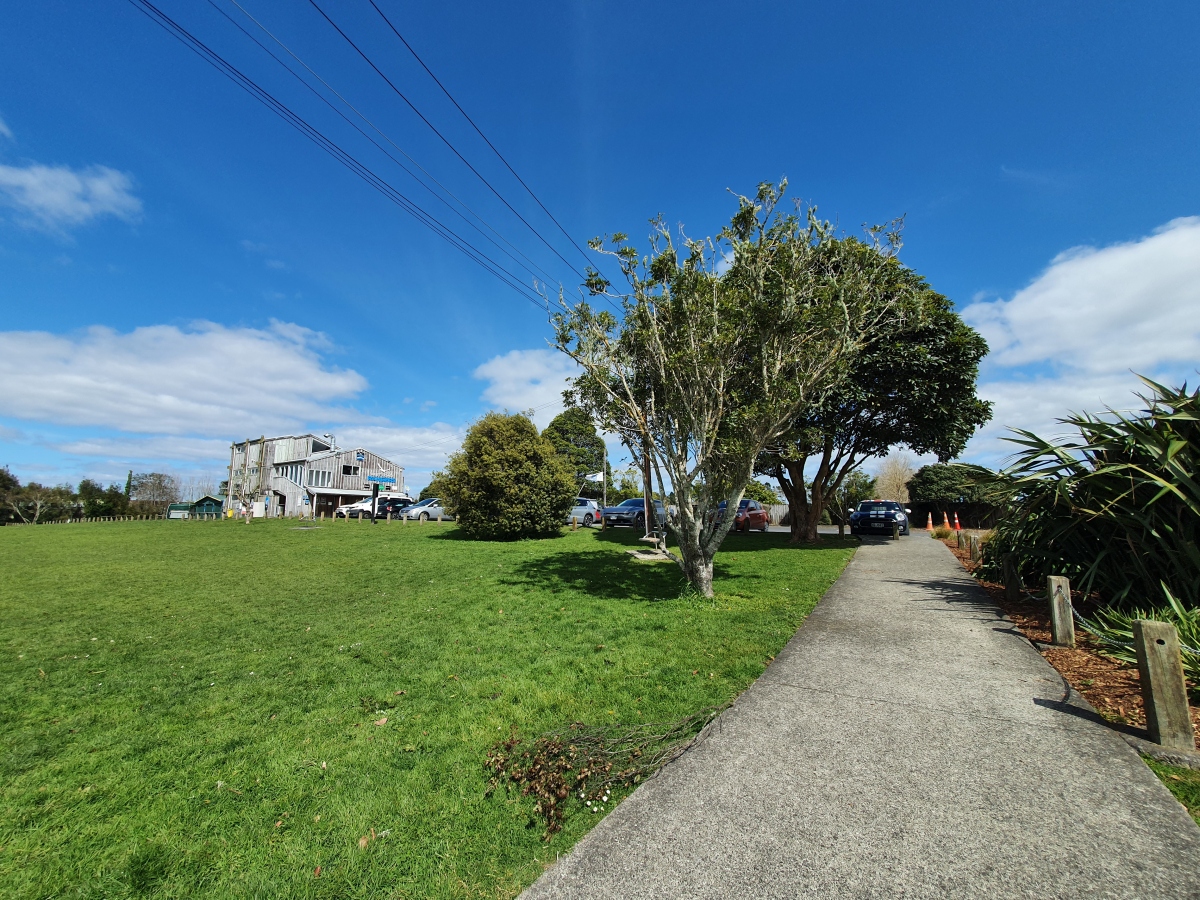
585	511
353	510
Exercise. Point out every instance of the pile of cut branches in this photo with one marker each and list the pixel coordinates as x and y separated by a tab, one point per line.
586	763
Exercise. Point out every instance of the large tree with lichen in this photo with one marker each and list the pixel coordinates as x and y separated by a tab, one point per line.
720	345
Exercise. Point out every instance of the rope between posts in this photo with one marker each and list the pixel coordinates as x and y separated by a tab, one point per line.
1095	630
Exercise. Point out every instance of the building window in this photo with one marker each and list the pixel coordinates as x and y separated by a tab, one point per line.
349	470
317	478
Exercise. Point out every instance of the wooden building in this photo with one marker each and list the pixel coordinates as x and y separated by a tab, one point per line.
305	475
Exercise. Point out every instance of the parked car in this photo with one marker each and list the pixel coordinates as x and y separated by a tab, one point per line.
353	510
878	516
633	512
392	505
750	515
426	510
585	511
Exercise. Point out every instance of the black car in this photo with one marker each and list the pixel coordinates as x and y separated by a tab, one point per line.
633	512
877	517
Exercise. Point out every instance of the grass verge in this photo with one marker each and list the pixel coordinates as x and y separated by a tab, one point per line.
1183	783
214	709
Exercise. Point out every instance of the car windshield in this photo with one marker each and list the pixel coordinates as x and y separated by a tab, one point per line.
743	504
878	506
636	501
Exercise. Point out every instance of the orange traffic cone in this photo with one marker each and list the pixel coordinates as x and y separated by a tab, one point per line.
957	527
929	521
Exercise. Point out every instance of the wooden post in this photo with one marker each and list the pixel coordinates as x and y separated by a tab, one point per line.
574	524
1163	690
1062	625
389	517
895	532
976	551
439	518
1012	578
962	539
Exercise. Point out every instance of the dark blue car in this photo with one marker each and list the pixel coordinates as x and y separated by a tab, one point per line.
633	512
878	516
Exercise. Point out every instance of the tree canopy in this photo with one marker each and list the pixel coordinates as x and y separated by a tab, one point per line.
507	481
574	437
708	366
913	386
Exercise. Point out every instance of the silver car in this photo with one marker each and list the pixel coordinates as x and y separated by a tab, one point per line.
425	510
584	511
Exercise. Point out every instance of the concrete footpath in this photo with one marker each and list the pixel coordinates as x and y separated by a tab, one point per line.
908	742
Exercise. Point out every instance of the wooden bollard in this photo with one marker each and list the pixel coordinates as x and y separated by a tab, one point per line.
389	517
574	524
1164	692
895	531
976	550
1062	624
439	518
1012	578
961	536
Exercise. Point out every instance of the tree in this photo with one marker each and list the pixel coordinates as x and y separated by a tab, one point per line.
853	490
99	501
763	493
943	483
32	503
153	492
628	484
706	368
891	481
436	488
913	387
507	481
574	436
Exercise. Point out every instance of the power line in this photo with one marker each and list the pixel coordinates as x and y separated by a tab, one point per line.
540	271
382	149
349	161
443	138
479	131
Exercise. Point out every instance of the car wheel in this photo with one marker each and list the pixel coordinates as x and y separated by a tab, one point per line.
424	517
588	520
640	520
766	526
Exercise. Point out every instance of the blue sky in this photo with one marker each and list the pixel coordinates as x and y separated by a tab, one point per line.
180	268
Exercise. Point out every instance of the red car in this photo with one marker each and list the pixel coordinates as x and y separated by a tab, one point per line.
750	515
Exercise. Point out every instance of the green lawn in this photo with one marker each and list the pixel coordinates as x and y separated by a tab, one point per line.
1183	783
189	709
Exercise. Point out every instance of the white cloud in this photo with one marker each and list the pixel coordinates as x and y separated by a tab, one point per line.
528	379
1071	340
5	131
1133	305
414	448
209	380
135	450
58	197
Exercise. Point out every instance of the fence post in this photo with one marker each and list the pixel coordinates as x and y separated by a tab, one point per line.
976	551
1062	625
389	517
574	524
1163	690
895	532
1012	578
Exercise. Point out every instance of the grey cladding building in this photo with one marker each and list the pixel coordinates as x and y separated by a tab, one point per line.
304	475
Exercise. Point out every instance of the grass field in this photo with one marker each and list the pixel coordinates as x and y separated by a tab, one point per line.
196	709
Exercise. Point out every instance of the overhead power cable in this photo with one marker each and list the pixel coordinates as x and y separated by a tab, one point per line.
399	93
539	273
479	131
349	161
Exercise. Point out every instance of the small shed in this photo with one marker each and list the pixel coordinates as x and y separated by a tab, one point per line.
179	511
208	506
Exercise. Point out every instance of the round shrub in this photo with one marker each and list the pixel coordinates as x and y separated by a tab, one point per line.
508	482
